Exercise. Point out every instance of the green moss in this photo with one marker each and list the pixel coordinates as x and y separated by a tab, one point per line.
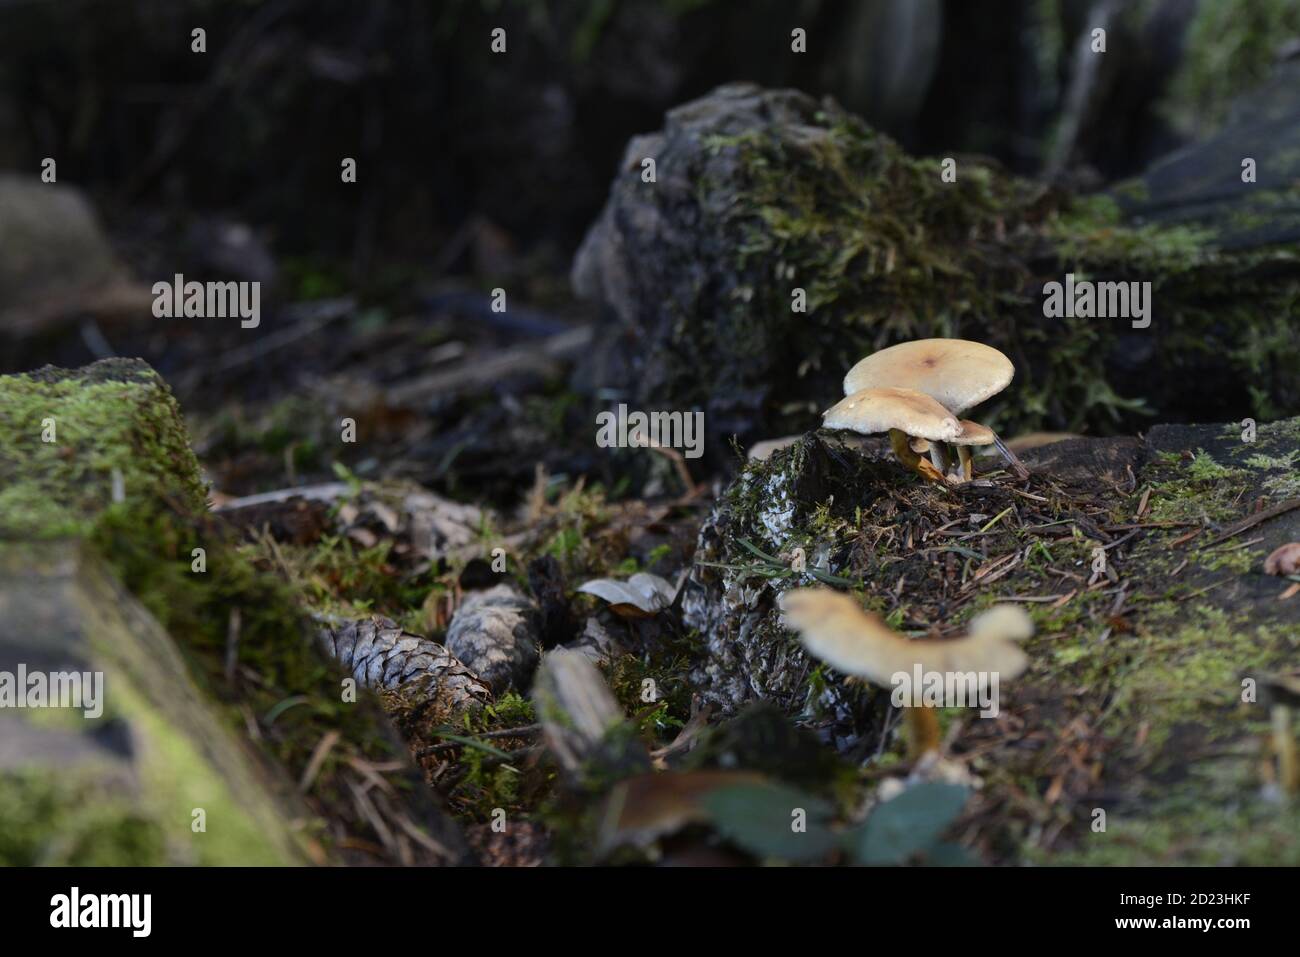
150	554
1185	667
1286	461
291	431
342	578
887	251
1183	782
1195	490
874	236
1133	687
122	420
177	778
1091	232
1230	46
1184	832
120	416
1226	557
67	818
662	717
1202	468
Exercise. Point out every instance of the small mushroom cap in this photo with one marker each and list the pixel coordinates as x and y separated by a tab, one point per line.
879	410
1002	623
957	373
919	446
1283	560
972	433
836	629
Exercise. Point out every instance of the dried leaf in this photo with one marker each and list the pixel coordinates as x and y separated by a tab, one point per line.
642	595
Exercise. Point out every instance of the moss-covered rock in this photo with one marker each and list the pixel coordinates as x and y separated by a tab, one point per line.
1242	184
157	778
1230	48
1133	701
67	433
96	462
761	193
57	261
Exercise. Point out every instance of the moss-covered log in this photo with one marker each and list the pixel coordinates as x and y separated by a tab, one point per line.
157	777
216	696
761	194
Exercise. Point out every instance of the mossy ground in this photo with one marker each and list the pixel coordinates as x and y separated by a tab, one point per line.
1131	705
65	820
1133	700
469	758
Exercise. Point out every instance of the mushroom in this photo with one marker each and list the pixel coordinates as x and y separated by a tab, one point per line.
1281	692
904	414
1283	560
956	373
972	433
838	631
936	451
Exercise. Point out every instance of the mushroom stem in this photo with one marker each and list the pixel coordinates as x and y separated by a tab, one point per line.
1284	744
967	461
1017	466
903	449
940	457
922	731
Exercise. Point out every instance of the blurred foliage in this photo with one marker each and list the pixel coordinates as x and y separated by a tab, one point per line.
1231	46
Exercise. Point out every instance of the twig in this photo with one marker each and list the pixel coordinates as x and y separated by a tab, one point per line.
1142	504
1202	591
1120	541
322	315
457	741
1264	516
317	759
998	517
232	644
1017	466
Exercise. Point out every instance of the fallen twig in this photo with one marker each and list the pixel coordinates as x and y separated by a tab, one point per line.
1279	509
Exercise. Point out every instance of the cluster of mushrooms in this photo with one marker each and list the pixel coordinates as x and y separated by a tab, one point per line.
915	391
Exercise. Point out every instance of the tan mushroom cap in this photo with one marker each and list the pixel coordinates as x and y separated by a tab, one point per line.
879	410
837	630
957	373
972	433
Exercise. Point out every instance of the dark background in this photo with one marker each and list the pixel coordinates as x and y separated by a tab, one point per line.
523	146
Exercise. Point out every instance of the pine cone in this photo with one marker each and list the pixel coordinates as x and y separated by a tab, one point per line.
382	656
495	632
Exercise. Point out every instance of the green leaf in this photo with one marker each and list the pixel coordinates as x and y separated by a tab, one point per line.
760	818
909	823
751	547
